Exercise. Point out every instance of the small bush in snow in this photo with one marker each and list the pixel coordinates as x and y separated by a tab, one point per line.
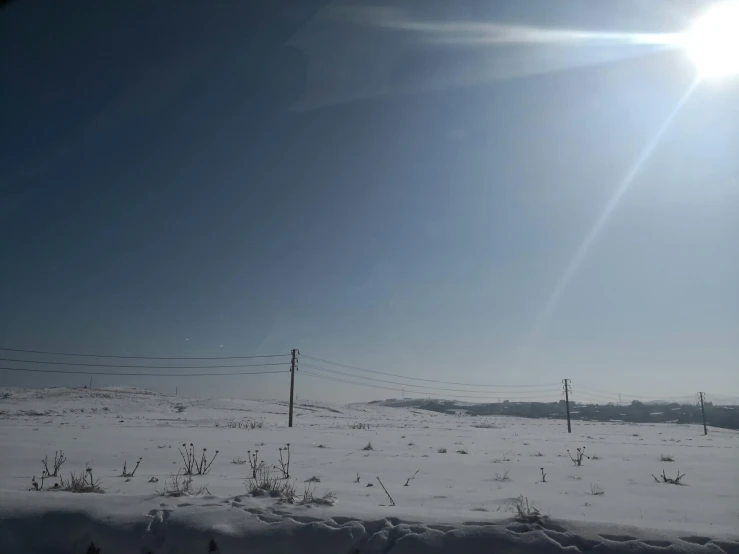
180	485
255	463
501	478
368	447
665	479
268	483
441	451
461	451
309	497
314	479
596	490
578	458
522	511
359	425
243	424
238	460
81	482
193	466
666	458
505	458
284	462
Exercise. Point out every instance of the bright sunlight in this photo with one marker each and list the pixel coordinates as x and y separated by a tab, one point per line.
713	42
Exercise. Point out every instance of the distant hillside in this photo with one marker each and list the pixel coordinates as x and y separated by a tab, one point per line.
636	412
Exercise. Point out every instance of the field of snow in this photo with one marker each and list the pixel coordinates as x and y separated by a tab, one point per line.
465	472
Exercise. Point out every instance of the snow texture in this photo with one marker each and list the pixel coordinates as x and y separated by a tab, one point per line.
458	501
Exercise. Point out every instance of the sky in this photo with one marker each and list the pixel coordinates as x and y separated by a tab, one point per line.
488	193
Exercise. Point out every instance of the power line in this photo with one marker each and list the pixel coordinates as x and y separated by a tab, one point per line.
140	366
114	373
421	393
347	366
406	385
138	357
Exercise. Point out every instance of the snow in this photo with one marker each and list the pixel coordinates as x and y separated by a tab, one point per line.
454	503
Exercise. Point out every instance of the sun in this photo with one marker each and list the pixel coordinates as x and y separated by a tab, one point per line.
713	42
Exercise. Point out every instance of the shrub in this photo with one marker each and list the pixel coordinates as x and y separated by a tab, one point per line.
501	478
578	458
268	483
522	511
596	490
81	482
666	458
359	425
505	458
441	451
180	485
665	479
243	424
193	466
238	460
368	447
309	497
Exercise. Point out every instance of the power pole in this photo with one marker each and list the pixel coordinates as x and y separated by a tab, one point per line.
567	401
293	367
703	411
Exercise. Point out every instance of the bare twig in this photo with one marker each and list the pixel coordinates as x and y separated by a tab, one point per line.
125	473
578	458
665	479
392	502
59	459
411	478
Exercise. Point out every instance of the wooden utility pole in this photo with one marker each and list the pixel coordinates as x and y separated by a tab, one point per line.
567	402
703	411
292	385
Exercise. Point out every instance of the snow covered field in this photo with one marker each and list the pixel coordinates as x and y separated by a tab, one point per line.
458	501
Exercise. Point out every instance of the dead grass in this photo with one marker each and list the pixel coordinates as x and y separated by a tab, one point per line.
522	511
81	482
309	497
266	482
180	485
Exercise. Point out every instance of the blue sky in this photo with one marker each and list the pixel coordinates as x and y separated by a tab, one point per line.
182	181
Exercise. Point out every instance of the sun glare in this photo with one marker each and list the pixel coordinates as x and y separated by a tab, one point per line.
713	42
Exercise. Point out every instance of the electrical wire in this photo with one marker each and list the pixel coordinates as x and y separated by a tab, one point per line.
140	366
338	380
406	385
118	373
347	366
136	357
